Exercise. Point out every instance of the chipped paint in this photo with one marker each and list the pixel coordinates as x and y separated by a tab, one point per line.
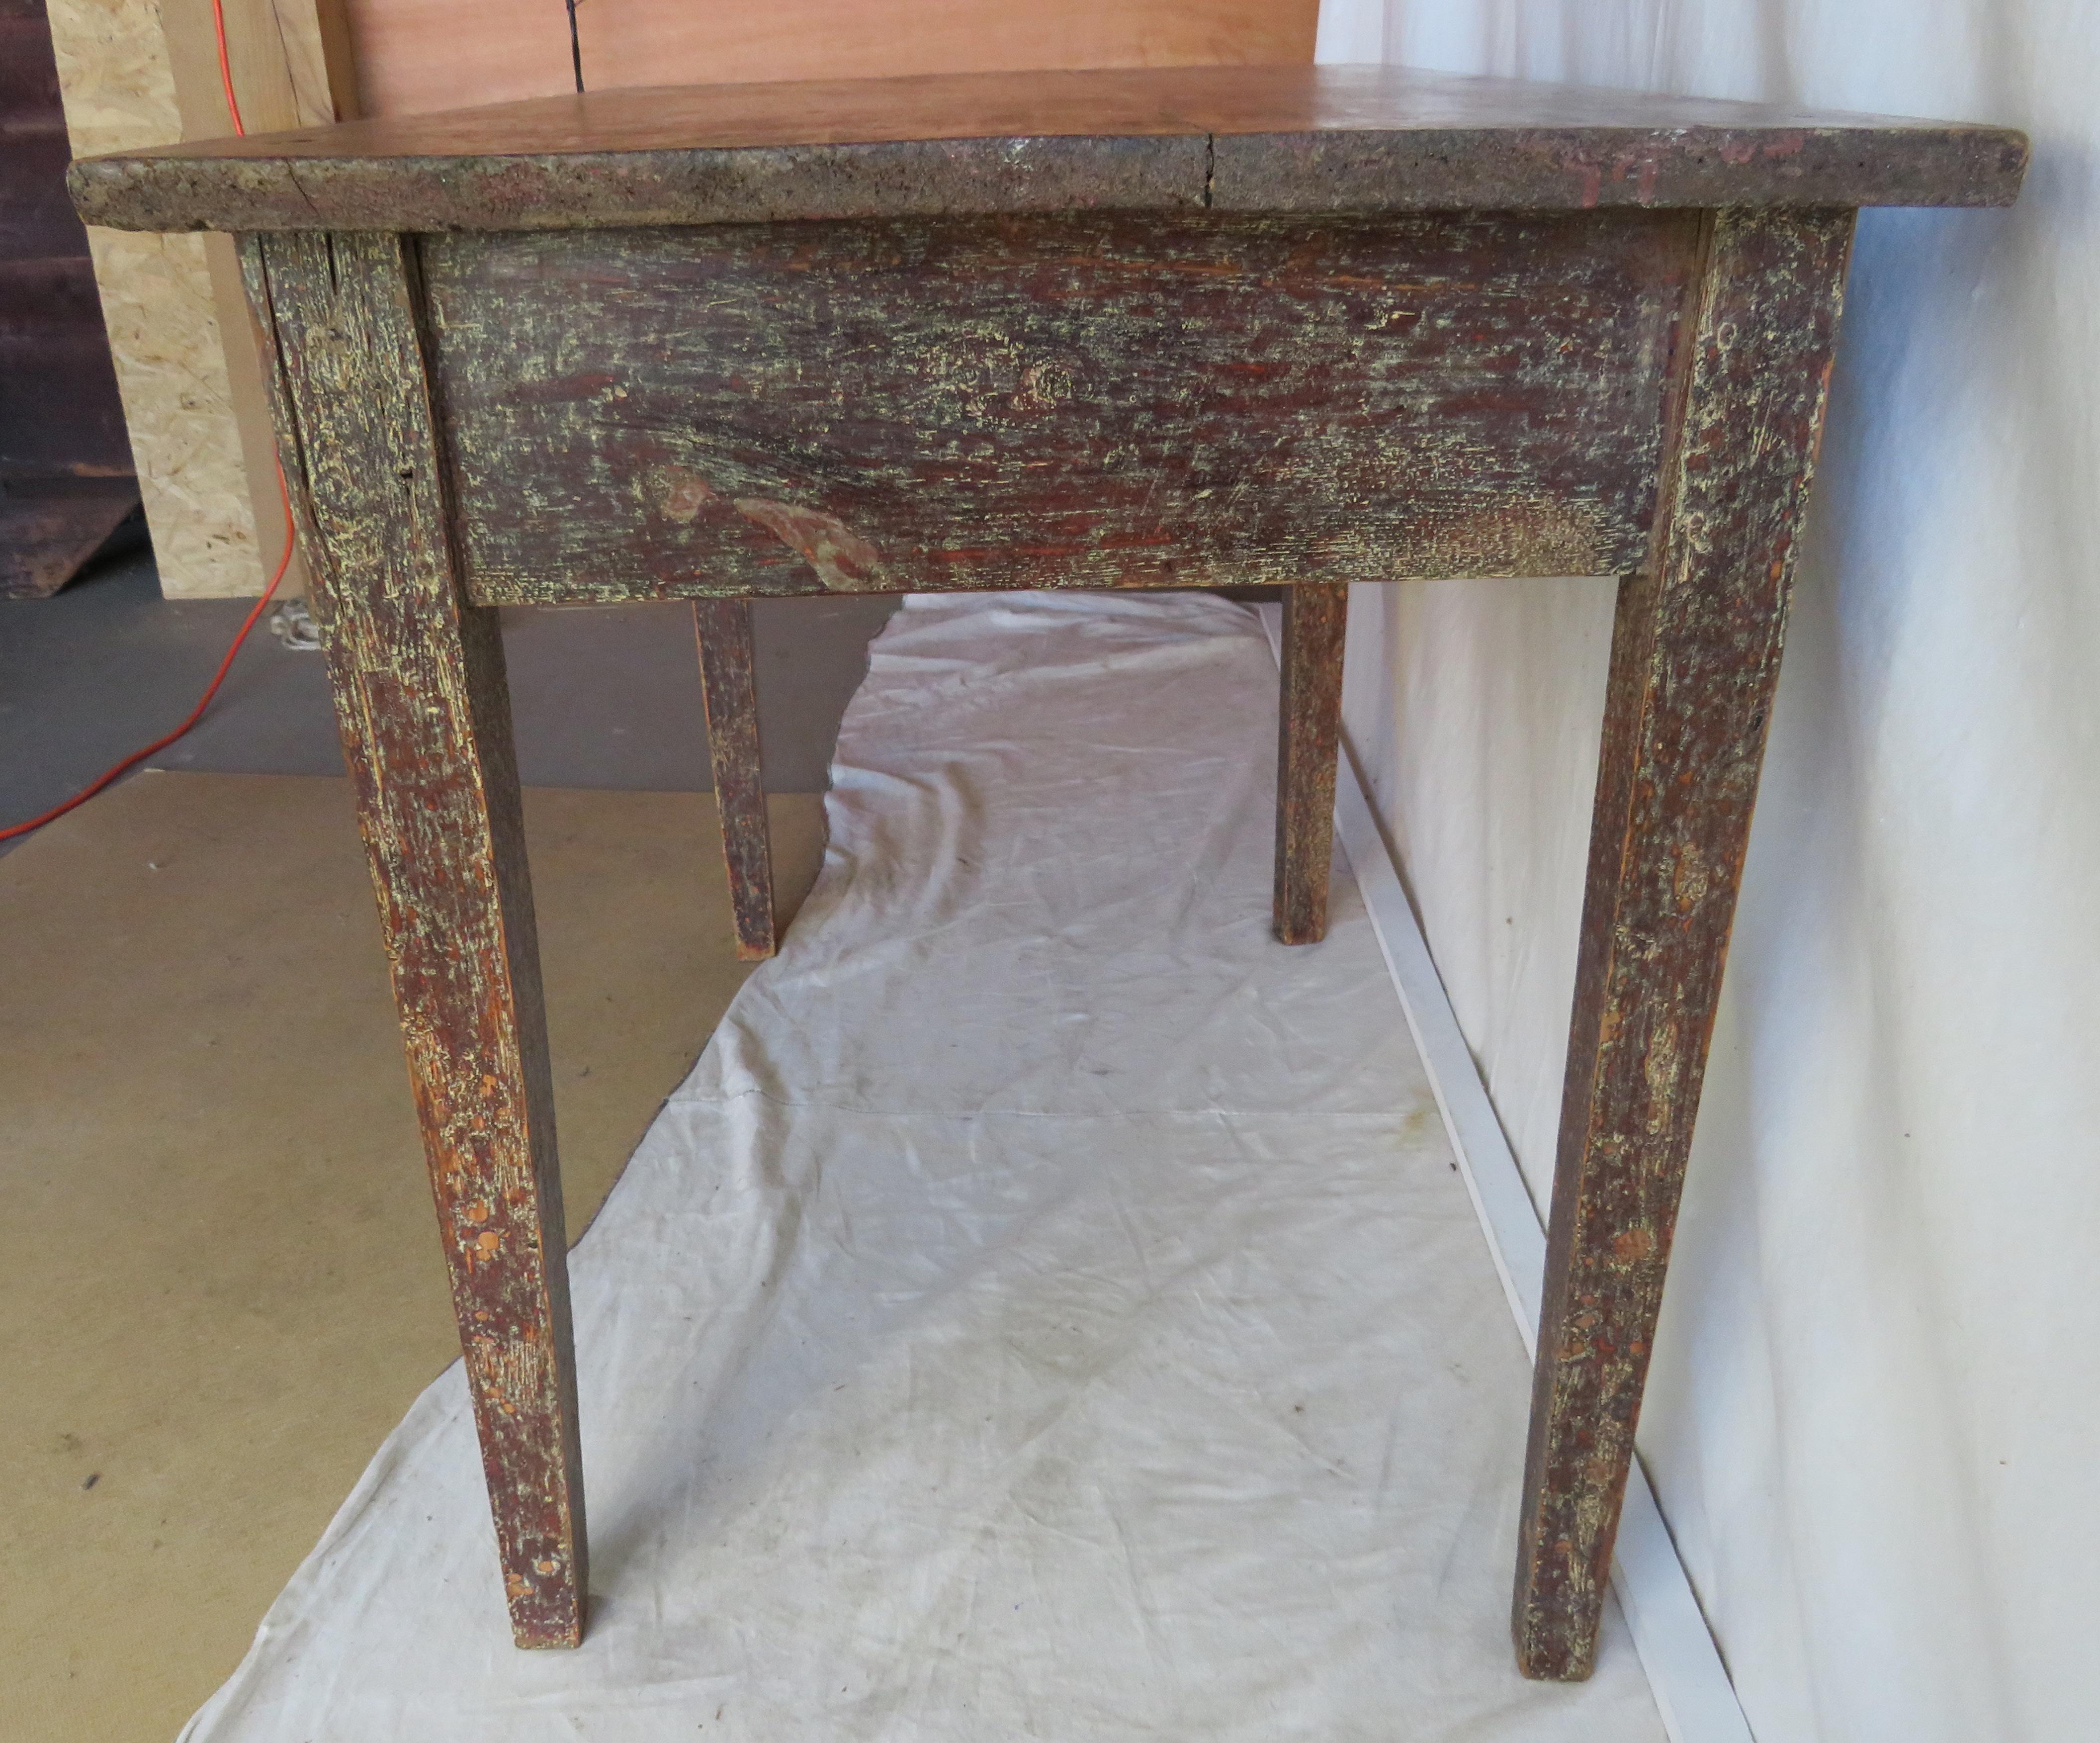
679	495
1309	738
420	694
1096	401
729	692
844	560
1695	658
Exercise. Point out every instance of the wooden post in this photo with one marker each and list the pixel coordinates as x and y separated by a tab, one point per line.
729	690
1695	657
421	697
1309	742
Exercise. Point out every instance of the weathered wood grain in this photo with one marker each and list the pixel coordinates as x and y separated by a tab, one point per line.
1079	401
1279	139
729	690
1308	747
1695	657
421	697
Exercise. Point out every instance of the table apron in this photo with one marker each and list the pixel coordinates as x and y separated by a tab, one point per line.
1082	400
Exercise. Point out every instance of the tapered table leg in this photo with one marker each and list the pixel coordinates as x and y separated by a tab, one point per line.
1309	743
729	689
1695	657
421	698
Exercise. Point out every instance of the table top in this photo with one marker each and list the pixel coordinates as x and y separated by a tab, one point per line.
1294	139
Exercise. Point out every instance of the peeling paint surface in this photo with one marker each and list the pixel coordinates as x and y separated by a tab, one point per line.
1085	400
1695	658
843	560
421	701
729	691
1308	740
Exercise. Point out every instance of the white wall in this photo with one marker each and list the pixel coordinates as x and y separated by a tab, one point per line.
1875	1411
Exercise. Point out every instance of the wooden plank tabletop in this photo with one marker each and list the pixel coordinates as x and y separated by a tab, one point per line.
1235	138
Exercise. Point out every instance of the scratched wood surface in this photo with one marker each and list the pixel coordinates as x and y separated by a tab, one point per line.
729	691
1101	401
421	697
1308	753
1695	659
1248	139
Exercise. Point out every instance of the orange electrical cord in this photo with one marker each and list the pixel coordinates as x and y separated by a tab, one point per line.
283	562
226	72
194	715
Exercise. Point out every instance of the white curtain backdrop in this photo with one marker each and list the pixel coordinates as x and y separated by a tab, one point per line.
1875	1405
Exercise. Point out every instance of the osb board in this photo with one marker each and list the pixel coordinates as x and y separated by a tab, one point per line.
219	1279
171	371
142	73
492	52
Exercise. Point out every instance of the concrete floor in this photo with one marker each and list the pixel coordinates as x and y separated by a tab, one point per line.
219	1281
607	697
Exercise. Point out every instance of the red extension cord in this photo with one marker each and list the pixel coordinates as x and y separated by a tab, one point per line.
283	562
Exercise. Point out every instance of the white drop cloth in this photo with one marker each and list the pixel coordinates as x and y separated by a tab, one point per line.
1048	1309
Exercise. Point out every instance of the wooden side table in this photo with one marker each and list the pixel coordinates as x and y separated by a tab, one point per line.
1099	329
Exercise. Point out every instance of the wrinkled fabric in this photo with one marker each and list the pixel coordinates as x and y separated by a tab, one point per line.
1049	1308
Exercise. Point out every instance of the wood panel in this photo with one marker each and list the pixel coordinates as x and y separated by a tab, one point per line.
1103	402
493	52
